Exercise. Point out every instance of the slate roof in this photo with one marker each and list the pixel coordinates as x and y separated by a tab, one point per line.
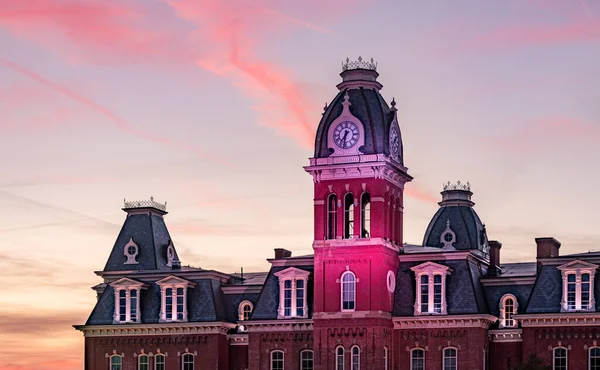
464	222
371	109
518	269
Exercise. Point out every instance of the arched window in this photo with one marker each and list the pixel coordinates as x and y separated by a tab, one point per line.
277	360
245	310
397	215
348	216
594	358
365	215
331	216
559	358
355	360
306	360
417	359
116	362
187	361
392	217
339	358
348	291
508	307
159	362
143	362
450	359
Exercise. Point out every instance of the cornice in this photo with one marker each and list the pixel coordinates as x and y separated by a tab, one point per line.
256	326
505	335
238	339
559	319
517	280
336	243
308	261
241	289
110	276
155	329
352	315
444	321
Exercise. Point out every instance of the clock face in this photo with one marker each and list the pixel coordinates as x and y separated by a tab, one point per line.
345	135
394	141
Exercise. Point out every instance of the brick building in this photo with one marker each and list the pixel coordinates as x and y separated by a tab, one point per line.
364	299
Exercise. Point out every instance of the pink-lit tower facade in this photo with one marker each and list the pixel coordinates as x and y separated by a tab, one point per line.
359	177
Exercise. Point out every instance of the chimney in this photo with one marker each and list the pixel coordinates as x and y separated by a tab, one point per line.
282	253
494	257
547	247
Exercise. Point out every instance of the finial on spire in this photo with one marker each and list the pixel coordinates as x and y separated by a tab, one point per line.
346	103
359	64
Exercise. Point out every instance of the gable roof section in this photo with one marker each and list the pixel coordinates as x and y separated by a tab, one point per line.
578	265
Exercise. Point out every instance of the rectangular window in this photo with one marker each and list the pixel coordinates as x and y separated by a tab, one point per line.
299	297
571	291
437	293
595	358
116	363
560	358
287	298
424	293
159	362
306	360
188	361
417	360
133	305
339	359
277	360
122	305
585	291
169	303
180	303
450	359
143	362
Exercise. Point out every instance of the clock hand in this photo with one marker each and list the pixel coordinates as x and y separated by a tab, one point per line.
344	138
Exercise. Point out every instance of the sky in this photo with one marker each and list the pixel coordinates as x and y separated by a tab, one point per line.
212	106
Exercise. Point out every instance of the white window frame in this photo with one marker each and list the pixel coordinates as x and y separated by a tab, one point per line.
444	357
430	269
365	215
347	273
139	361
173	282
412	351
386	365
338	365
271	359
354	362
503	318
241	307
554	357
302	359
128	285
292	274
590	356
110	364
164	361
183	363
577	268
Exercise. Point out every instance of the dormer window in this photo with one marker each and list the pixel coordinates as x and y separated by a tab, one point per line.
131	251
508	307
245	310
127	300
430	288
578	286
173	292
292	293
349	216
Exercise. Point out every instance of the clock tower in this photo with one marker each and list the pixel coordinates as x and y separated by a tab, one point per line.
359	177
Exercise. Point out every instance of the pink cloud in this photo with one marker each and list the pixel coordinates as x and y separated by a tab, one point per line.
421	194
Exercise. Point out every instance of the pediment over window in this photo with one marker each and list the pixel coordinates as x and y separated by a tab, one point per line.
578	265
173	280
292	272
125	283
430	267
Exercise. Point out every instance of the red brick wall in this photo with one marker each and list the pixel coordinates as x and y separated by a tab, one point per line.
211	349
238	357
291	343
469	342
505	354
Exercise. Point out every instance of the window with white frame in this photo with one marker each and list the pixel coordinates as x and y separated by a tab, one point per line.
508	307
293	284
277	360
431	288
355	359
306	360
173	292
116	362
159	362
559	358
339	358
365	215
127	300
332	216
450	359
245	310
578	286
385	358
348	287
417	359
349	216
594	358
143	362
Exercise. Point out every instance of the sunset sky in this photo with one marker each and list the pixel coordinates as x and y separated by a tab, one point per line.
212	106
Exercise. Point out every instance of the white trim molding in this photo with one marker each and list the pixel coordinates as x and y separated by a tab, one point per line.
577	269
446	321
174	283
431	270
128	286
559	319
155	329
256	326
504	321
238	339
293	275
505	335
